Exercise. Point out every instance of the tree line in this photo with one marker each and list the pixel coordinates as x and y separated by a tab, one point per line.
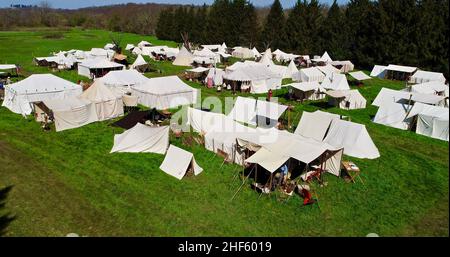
405	32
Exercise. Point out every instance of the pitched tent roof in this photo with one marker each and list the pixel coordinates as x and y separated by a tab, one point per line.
164	93
123	78
178	161
35	88
390	95
378	71
243	52
328	70
306	86
359	75
421	76
393	115
430	87
198	70
144	43
315	125
353	137
247	109
142	139
129	47
326	57
335	82
255	52
432	121
108	105
267	58
183	58
347	99
99	63
309	75
401	68
71	112
139	62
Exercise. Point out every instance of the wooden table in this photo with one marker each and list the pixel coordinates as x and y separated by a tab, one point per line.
352	170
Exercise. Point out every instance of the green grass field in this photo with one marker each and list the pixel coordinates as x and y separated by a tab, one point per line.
65	182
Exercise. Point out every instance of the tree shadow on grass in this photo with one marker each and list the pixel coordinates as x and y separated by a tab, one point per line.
321	105
5	218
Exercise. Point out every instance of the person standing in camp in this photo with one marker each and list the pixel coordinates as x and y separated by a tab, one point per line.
269	95
8	81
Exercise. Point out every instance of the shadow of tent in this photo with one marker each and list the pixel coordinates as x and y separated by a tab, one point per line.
5	219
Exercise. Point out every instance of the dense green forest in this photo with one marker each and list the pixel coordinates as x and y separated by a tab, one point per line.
406	32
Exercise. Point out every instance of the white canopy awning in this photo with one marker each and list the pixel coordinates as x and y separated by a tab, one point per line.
359	75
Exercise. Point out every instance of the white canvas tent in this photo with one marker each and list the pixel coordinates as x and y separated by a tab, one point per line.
129	47
421	76
98	67
107	104
183	58
178	161
108	46
431	87
308	90
267	58
359	75
378	71
343	66
139	62
120	81
309	75
216	75
243	53
259	77
255	112
164	93
328	70
36	88
143	44
256	53
207	54
346	99
335	82
71	112
142	139
432	121
353	137
390	95
393	114
291	69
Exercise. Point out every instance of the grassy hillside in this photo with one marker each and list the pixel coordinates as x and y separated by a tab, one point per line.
69	182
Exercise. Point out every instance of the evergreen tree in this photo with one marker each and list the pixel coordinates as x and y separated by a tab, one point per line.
199	26
333	34
296	28
218	23
243	25
274	32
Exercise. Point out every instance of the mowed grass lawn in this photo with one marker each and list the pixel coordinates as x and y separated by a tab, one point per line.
69	182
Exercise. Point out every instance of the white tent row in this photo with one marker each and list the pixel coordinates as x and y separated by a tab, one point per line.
421	76
69	113
387	95
96	53
359	75
329	128
120	81
256	112
335	81
346	99
308	90
309	75
63	61
37	88
164	93
142	139
178	161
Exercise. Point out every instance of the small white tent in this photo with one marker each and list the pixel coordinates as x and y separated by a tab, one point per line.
378	71
291	69
71	112
398	96
107	104
346	99
431	87
267	58
308	90
129	47
139	62
393	114
432	121
35	88
335	82
315	125
309	75
421	76
216	75
97	67
178	162
164	93
142	139
120	81
243	53
144	43
259	77
183	58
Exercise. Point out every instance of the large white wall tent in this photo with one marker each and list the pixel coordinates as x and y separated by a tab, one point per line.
426	76
256	112
346	99
335	81
208	54
107	104
352	137
432	121
393	114
36	88
387	95
308	90
164	93
142	139
399	72
259	77
178	162
97	67
431	87
71	112
183	58
120	81
309	75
